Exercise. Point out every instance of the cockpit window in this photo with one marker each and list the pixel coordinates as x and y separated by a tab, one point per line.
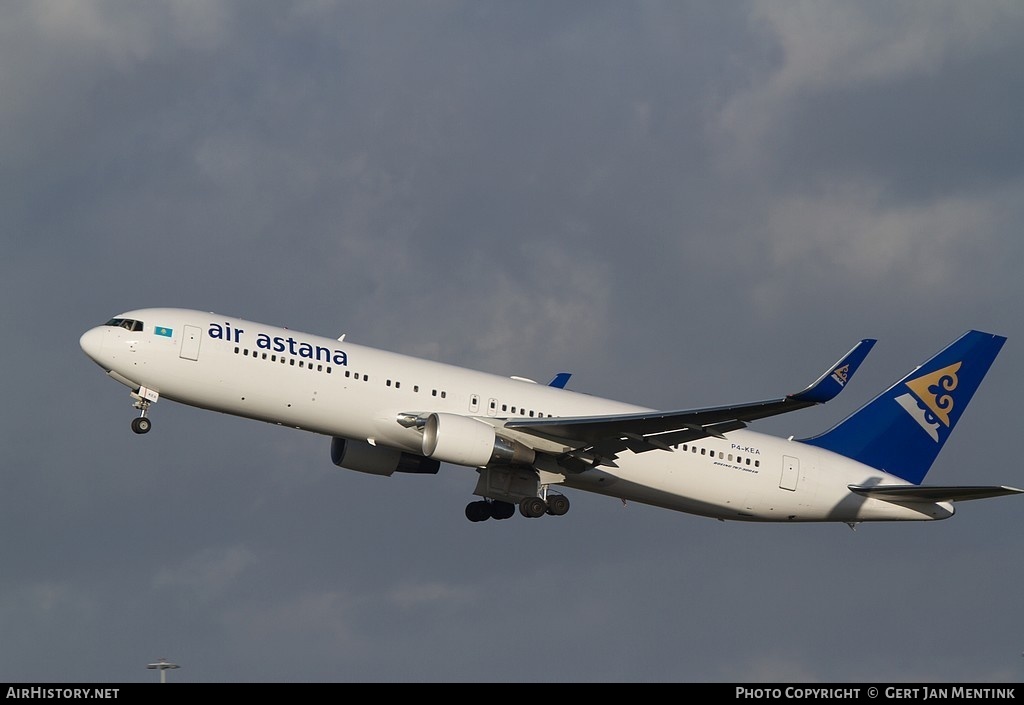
126	323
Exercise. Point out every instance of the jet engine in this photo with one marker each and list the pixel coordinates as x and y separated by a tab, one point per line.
462	440
378	460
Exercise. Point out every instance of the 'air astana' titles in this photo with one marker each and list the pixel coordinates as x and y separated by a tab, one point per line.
285	345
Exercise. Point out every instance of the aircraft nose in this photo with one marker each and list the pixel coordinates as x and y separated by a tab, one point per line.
92	343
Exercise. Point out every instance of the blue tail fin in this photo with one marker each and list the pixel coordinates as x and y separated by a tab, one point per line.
902	430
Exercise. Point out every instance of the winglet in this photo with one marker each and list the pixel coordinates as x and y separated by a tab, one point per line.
828	386
560	380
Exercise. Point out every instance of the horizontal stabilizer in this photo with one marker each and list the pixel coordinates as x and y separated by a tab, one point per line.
917	493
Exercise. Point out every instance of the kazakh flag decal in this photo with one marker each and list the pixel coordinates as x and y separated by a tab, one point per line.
166	332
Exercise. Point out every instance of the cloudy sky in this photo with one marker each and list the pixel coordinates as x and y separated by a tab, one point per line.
682	203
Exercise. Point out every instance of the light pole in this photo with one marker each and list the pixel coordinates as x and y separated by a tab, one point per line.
162	665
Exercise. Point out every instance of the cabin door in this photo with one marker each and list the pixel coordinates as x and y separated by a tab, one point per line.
190	343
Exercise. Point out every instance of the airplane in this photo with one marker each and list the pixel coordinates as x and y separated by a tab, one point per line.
386	412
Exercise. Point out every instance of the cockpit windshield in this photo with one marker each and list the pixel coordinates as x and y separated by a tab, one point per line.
126	323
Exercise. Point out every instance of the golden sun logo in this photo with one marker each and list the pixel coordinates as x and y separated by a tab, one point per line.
840	374
931	390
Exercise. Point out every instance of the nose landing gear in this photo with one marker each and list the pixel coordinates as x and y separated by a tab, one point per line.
144	398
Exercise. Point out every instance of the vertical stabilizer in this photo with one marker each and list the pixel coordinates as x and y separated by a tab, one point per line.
902	430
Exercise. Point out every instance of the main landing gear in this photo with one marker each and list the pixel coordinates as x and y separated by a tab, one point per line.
531	507
489	509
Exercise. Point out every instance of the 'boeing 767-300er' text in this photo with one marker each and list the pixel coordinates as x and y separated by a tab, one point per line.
388	413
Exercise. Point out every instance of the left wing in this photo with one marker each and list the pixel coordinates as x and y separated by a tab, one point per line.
596	440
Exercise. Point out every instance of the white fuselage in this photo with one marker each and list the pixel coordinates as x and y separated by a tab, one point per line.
340	389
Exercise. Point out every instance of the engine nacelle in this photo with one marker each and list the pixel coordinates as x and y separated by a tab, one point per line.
378	460
462	440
